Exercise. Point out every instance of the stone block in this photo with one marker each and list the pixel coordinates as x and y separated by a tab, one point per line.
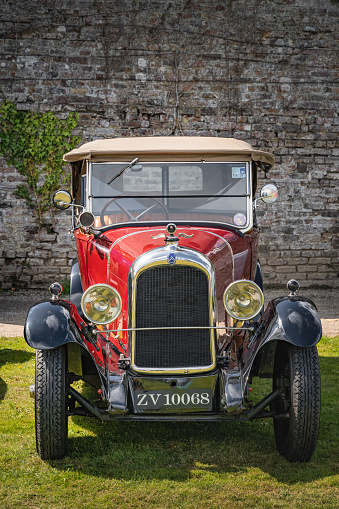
122	88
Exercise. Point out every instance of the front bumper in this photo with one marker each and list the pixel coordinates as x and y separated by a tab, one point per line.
163	399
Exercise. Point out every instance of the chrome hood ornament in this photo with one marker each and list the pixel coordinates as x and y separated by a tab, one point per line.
171	238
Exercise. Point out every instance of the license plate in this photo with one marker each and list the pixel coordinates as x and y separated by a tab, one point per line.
171	401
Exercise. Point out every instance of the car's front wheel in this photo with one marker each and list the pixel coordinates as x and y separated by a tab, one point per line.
296	425
51	423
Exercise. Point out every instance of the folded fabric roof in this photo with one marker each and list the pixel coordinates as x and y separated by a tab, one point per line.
169	148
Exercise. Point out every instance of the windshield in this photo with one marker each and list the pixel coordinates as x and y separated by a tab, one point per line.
199	192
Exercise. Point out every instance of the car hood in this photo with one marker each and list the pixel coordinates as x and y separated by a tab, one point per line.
107	258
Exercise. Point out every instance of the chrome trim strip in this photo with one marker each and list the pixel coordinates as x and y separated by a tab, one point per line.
122	238
89	202
229	248
249	199
157	257
200	161
171	328
159	228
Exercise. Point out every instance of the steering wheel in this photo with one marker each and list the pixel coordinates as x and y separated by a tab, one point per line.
122	208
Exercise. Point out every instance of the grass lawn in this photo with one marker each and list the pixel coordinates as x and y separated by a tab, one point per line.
160	465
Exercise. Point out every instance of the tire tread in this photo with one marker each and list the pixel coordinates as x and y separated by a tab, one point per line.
300	441
50	403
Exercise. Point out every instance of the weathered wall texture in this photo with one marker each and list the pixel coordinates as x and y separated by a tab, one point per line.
262	71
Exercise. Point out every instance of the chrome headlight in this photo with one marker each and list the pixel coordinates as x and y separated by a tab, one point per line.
243	299
101	304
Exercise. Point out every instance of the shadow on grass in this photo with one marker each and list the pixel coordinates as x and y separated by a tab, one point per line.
180	451
8	355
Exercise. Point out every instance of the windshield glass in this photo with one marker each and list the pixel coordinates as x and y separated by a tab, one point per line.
214	192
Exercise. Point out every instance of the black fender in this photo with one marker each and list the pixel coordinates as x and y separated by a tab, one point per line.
259	281
76	291
293	319
49	325
258	277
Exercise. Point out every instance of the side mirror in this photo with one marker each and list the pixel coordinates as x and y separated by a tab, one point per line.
269	193
62	199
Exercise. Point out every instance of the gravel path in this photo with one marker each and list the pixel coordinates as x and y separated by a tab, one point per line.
14	308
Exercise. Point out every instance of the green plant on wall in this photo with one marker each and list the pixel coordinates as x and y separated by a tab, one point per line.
34	144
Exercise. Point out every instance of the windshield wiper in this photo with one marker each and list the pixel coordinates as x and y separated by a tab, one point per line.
129	165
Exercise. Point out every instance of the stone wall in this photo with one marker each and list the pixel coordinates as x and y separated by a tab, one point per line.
262	71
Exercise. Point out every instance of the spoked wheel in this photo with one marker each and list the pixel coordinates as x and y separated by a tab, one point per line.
297	374
51	423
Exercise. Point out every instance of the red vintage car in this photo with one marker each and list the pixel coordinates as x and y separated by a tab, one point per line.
166	314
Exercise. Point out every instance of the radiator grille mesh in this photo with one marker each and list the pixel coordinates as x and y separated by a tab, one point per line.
172	296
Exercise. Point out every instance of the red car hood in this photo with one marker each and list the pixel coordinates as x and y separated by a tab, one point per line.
108	258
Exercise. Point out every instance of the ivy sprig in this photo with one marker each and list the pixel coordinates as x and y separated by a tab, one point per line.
34	144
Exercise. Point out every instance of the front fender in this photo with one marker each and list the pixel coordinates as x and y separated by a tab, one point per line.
50	324
292	319
76	291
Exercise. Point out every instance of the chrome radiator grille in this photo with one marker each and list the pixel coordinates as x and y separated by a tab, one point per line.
172	296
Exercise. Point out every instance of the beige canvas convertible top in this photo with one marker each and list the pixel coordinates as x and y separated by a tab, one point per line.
169	148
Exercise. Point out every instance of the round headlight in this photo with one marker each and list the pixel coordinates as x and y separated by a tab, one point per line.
55	289
243	299
101	304
86	219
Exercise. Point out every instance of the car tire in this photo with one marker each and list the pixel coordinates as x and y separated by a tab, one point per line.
51	424
297	374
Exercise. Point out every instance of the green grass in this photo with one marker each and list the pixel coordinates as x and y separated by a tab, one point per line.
160	465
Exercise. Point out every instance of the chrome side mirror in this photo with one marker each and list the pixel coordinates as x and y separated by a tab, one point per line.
269	193
62	199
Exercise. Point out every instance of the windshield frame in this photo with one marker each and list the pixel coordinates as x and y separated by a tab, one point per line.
249	196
